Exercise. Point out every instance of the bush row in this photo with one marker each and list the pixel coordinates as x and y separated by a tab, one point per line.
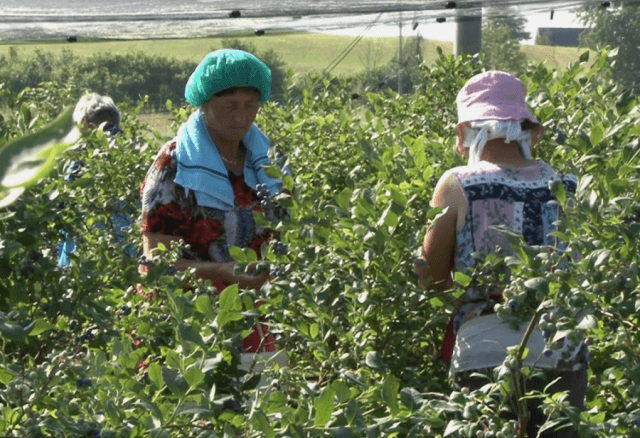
83	354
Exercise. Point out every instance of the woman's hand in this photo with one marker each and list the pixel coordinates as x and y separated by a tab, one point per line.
216	272
249	280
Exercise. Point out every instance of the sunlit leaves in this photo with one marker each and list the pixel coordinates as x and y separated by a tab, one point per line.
29	158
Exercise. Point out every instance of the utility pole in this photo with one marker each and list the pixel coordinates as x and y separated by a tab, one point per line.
400	67
468	28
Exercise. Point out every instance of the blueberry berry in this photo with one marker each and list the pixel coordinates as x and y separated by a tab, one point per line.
512	305
84	383
143	260
547	352
560	136
280	248
262	191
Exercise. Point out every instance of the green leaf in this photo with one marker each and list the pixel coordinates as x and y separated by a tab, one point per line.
205	306
435	212
5	376
411	399
324	407
538	284
40	326
342	391
9	196
151	407
230	306
155	374
260	421
390	389
462	279
189	334
314	330
597	132
342	432
193	376
13	332
560	334
588	322
343	198
273	171
26	160
584	57
238	254
229	298
374	360
193	409
174	381
368	115
8	248
212	363
453	426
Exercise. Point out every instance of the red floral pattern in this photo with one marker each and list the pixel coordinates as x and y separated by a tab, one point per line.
243	194
163	160
169	219
204	231
168	210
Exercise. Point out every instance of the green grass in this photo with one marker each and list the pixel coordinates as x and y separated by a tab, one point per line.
554	57
303	52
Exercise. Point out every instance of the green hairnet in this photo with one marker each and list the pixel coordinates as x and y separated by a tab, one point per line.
224	69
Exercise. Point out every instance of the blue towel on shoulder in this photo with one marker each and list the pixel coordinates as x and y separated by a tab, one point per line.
200	167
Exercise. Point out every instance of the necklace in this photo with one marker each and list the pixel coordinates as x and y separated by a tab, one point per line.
230	160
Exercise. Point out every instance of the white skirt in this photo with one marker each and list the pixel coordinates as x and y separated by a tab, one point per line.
483	341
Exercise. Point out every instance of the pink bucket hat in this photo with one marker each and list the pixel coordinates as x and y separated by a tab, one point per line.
493	95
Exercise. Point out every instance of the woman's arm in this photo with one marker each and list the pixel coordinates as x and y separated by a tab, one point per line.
215	272
440	241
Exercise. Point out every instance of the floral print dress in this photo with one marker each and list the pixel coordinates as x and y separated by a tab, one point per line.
172	210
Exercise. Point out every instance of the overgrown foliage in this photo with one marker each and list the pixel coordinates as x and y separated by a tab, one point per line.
501	36
128	77
83	354
616	27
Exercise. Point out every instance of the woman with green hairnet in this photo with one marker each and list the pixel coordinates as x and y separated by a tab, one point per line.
205	184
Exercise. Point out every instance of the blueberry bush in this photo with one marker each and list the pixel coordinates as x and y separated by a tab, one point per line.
97	349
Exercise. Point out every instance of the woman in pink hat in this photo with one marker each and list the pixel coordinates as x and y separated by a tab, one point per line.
501	186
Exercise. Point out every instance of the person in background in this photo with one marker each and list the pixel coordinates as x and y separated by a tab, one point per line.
501	186
205	184
93	111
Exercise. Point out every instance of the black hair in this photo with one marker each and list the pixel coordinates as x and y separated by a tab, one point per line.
232	90
527	124
105	115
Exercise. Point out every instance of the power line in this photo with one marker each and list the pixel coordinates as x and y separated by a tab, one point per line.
333	64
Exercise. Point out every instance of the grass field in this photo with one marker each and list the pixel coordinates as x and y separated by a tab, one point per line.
303	52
